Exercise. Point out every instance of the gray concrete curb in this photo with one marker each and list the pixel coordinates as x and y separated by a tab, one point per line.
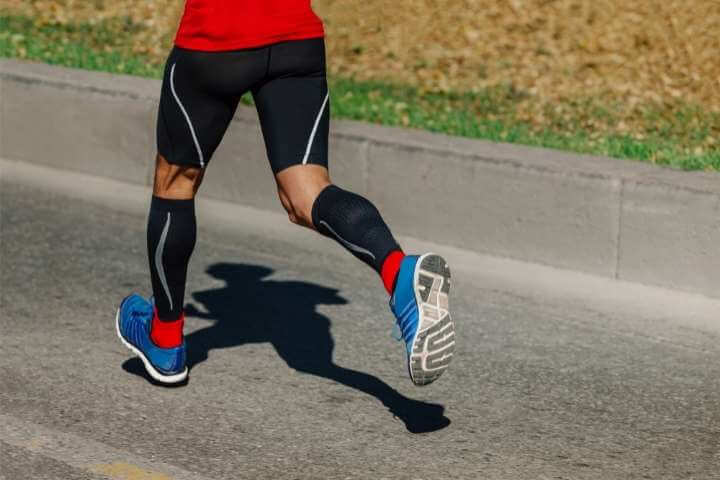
603	216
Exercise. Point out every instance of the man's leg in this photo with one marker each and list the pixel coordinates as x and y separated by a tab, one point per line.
153	330
196	107
419	285
311	200
171	234
294	109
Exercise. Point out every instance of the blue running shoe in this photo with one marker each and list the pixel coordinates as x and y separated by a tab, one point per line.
133	321
420	303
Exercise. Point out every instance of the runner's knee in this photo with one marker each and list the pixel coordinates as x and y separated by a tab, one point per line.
298	187
176	181
298	206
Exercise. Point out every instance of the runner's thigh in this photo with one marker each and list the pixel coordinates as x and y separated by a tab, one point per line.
200	94
293	105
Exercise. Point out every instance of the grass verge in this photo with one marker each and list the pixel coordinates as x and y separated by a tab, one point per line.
682	137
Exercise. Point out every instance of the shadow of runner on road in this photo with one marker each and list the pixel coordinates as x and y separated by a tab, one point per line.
249	309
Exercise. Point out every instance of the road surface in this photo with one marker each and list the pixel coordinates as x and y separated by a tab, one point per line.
294	375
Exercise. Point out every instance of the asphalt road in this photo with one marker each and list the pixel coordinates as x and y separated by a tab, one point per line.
294	374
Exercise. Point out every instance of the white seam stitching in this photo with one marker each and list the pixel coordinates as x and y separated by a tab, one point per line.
314	130
345	242
187	117
158	259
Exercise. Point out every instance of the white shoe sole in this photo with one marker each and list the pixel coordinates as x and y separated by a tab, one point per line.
433	346
167	379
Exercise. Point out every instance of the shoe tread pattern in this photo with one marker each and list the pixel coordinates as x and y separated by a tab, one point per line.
434	345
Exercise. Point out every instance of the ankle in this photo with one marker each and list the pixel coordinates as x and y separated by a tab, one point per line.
390	269
166	334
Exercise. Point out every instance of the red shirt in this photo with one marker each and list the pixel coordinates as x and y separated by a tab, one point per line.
213	25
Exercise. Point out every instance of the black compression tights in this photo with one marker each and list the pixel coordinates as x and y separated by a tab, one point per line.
171	236
355	223
344	216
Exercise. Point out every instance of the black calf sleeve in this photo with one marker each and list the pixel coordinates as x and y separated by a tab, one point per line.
355	223
170	239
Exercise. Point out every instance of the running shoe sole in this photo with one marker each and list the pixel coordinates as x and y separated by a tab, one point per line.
156	375
434	343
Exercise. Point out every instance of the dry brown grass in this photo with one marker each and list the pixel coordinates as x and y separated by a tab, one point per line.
639	50
609	52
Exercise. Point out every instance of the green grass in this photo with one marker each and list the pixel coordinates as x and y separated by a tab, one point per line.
91	47
676	137
471	115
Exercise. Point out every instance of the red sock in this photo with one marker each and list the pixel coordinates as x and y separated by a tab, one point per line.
167	334
390	269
